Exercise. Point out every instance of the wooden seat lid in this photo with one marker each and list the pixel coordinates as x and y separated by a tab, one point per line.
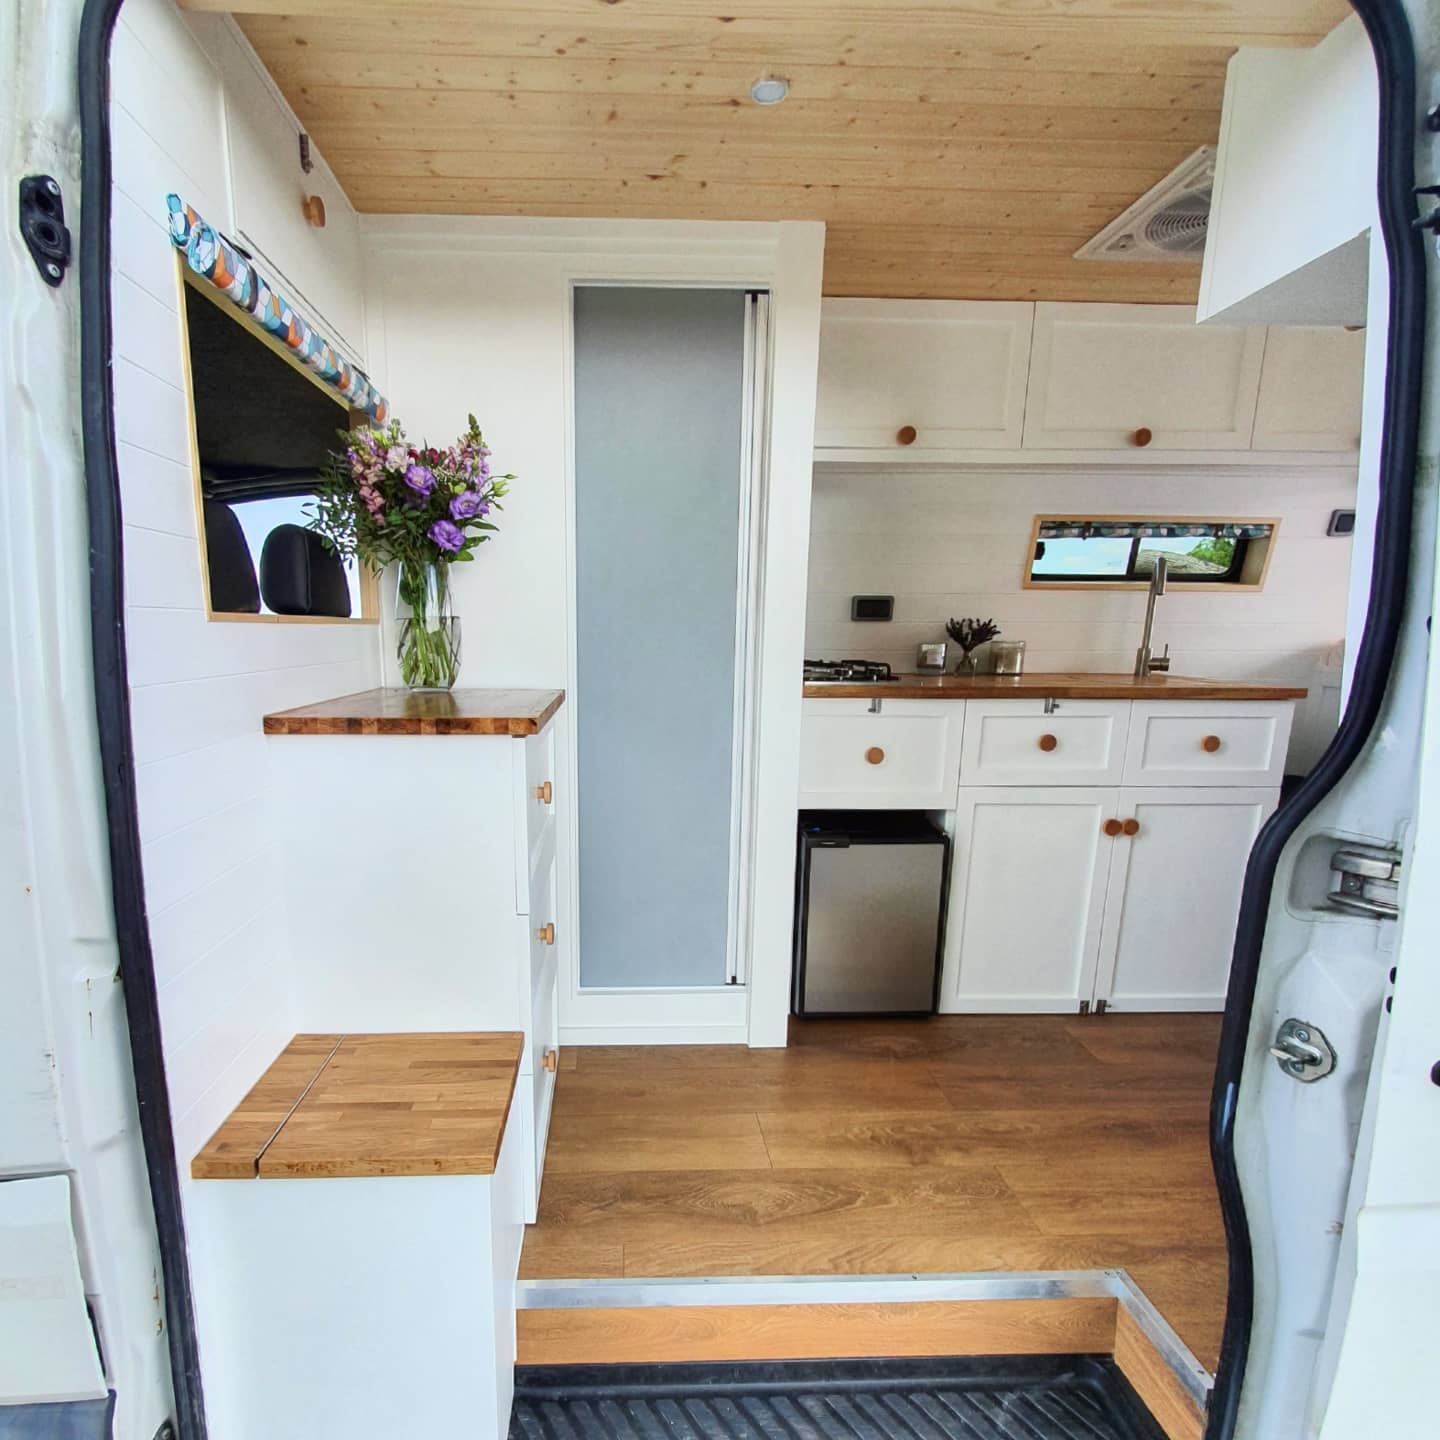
336	1106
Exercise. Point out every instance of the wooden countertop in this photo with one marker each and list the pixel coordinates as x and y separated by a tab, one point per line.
1059	685
396	711
337	1106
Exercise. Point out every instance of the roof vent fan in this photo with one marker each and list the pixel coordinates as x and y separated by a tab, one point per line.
1168	222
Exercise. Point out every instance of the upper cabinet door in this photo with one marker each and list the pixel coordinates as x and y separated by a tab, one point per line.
320	267
1310	389
922	375
1113	377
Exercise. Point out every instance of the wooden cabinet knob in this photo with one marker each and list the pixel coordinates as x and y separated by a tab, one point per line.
1210	744
1048	742
1141	438
314	208
544	794
1113	828
906	435
551	1060
875	755
546	933
1131	827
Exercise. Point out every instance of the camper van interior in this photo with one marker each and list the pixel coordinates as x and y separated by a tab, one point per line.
728	933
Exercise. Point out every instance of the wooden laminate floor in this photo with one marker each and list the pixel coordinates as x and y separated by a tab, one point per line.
958	1143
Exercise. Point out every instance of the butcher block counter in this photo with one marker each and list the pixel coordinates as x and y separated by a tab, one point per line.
377	1296
392	710
357	1105
1057	685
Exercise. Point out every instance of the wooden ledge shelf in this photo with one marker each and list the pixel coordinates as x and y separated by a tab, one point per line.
339	1106
1058	686
395	711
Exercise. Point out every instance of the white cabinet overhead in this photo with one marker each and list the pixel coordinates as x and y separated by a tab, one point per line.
1112	377
1310	389
924	374
993	382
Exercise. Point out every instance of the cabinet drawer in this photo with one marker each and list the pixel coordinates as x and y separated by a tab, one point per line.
544	1005
1014	742
533	767
1207	743
543	920
905	756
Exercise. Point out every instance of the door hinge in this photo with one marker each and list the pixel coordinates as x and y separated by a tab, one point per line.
1365	882
1101	1006
1084	1007
43	228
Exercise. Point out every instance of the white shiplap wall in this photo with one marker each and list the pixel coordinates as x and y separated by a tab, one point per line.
198	688
952	542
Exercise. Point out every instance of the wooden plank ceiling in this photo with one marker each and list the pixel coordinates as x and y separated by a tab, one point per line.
956	148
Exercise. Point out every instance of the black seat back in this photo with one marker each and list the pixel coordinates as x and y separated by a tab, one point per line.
299	576
232	572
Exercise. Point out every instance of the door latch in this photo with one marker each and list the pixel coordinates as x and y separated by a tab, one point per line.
43	228
1303	1052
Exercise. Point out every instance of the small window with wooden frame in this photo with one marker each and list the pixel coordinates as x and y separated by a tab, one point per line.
261	429
1118	552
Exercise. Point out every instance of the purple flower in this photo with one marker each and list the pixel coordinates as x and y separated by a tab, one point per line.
466	504
446	536
420	478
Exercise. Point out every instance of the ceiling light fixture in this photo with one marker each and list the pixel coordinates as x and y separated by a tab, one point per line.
769	90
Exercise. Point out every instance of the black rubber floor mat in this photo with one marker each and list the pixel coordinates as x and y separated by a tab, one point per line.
1070	1397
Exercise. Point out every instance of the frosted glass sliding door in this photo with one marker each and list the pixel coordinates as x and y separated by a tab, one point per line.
663	423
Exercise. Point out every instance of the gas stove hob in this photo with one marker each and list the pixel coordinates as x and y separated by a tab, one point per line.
848	672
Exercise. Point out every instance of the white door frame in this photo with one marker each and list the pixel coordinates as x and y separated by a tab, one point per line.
783	260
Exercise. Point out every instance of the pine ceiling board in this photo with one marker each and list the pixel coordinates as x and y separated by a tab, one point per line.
953	148
532	35
1217	22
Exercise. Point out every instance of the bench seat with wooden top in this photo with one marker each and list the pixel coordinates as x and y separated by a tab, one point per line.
364	1235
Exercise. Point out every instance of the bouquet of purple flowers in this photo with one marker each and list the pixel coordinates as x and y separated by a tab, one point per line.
384	501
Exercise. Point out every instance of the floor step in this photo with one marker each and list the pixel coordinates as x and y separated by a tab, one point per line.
1037	1397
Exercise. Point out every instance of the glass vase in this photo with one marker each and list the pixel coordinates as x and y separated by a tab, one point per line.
429	647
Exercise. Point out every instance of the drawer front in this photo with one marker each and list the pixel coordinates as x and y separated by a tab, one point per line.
906	756
1218	742
533	770
543	919
1014	742
545	1004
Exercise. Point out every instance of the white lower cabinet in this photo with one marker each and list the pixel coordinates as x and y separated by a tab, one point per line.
1029	867
1063	898
1174	896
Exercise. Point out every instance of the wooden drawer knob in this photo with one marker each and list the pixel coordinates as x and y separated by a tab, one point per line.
314	208
1210	744
875	755
551	1060
1141	438
1131	827
1048	742
906	435
544	793
1113	828
546	933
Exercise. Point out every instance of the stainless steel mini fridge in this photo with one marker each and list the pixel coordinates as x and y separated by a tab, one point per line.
869	913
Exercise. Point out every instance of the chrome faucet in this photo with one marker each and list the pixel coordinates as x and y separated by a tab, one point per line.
1146	663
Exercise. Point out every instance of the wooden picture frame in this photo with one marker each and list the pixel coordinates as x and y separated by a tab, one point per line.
190	285
1255	568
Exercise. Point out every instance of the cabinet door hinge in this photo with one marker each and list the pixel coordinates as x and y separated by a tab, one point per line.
1084	1007
1101	1006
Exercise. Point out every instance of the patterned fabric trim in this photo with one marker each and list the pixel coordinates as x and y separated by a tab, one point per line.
209	253
1130	529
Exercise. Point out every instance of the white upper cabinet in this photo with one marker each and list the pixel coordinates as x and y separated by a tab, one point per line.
321	267
1310	389
922	375
1115	377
